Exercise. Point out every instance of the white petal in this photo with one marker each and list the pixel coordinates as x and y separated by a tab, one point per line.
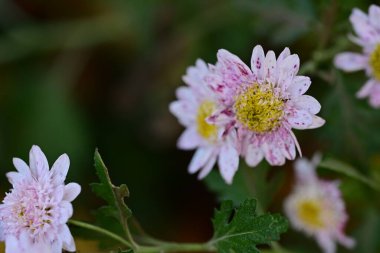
305	171
12	245
285	53
185	93
273	155
287	71
374	16
67	239
365	91
301	119
37	162
232	64
200	158
253	155
21	166
288	148
66	211
350	61
346	241
14	177
185	111
326	243
362	26
228	162
257	62
189	139
72	190
317	122
299	86
208	167
308	103
60	168
270	67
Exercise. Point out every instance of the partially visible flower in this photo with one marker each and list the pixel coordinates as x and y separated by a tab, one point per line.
264	103
316	207
367	29
34	213
196	102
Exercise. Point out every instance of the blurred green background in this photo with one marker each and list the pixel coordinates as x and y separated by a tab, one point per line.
76	75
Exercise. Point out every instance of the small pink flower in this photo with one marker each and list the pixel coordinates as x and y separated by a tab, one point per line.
34	213
263	103
196	102
316	207
367	29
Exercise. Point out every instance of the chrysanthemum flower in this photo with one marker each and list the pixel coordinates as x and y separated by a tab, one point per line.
196	102
316	207
34	213
367	29
264	103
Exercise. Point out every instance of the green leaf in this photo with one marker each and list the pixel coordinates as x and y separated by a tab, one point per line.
348	170
241	230
112	194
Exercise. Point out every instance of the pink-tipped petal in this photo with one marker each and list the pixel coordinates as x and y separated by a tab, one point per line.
60	168
350	61
257	62
287	71
71	191
270	67
299	86
300	119
308	103
253	155
228	162
37	162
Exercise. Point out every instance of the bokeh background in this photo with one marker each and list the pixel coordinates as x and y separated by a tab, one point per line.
76	75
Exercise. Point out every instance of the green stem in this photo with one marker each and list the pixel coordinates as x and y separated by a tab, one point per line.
101	231
177	247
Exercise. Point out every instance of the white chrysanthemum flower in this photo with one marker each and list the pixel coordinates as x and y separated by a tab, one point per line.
196	102
316	207
264	103
34	213
367	28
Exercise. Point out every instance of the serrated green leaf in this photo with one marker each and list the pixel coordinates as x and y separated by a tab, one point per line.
348	170
241	230
112	194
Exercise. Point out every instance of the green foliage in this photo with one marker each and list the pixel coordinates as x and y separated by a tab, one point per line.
241	229
112	194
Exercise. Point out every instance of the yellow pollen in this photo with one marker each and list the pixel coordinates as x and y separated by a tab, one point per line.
310	211
374	61
259	109
205	129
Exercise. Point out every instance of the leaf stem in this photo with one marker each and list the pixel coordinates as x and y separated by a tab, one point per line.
101	231
176	247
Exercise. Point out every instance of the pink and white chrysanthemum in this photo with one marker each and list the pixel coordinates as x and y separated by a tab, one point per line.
196	102
264	103
34	213
316	207
367	29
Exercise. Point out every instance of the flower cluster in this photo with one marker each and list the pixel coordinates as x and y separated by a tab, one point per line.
367	29
34	213
316	207
229	110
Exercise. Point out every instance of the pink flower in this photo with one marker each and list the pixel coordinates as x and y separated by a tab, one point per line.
263	103
196	102
316	207
367	29
34	213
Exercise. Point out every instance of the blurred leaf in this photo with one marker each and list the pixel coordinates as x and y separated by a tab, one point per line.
248	183
241	229
368	233
112	194
348	170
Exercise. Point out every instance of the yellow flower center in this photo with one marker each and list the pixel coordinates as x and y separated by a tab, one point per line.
259	109
205	129
310	212
374	61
